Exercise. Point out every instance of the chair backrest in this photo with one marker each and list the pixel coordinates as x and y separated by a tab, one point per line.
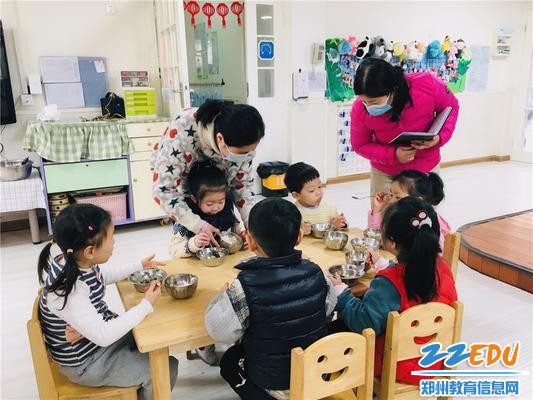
334	364
41	364
452	248
437	322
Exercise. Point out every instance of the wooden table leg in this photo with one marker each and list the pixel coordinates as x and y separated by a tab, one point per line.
160	371
34	226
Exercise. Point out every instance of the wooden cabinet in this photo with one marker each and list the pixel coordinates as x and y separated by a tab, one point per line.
141	186
144	137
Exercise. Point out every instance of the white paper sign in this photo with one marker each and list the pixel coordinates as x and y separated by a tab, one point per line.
100	67
60	69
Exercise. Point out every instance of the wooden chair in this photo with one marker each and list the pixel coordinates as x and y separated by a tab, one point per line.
438	319
346	358
53	385
452	246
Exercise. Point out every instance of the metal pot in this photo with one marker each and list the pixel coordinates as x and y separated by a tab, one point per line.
14	170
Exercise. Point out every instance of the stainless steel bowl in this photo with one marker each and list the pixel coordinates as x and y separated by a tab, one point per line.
142	279
355	257
231	242
363	244
372	233
212	256
14	170
348	273
335	240
358	244
372	244
318	230
181	286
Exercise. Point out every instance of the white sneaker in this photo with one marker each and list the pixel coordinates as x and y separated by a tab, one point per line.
207	354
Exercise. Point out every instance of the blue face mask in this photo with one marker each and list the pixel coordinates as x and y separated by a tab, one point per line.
235	158
378	109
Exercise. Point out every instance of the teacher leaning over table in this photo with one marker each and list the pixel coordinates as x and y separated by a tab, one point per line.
390	102
225	133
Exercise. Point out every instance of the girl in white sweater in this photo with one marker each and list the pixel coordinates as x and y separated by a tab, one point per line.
92	345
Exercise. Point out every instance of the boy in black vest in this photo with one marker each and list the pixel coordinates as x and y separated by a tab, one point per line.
278	301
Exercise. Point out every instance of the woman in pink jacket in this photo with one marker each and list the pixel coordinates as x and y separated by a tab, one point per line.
389	103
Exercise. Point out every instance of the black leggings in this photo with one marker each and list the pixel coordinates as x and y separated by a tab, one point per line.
232	370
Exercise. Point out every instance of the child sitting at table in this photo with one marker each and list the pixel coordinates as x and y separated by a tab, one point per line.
410	230
210	200
303	181
428	187
277	302
92	345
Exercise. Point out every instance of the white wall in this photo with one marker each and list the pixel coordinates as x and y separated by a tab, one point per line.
75	28
486	123
230	55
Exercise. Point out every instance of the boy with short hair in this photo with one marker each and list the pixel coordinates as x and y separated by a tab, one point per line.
303	181
277	302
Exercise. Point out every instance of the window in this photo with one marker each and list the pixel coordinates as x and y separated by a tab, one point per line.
265	49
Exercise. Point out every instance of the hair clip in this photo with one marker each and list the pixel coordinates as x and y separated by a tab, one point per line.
420	220
90	228
70	251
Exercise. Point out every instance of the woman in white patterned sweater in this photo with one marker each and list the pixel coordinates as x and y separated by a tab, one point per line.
92	345
225	133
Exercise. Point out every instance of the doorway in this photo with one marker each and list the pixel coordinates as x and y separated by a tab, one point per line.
215	58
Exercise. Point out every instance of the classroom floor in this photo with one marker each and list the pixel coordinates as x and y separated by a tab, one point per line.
494	311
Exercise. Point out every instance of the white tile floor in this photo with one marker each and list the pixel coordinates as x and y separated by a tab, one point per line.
494	311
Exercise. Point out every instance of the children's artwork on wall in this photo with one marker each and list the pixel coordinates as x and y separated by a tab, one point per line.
448	60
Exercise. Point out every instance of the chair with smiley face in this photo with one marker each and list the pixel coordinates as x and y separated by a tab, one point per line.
334	365
406	333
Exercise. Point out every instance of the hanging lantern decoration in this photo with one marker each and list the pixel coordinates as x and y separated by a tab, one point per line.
236	8
184	4
223	10
193	8
209	10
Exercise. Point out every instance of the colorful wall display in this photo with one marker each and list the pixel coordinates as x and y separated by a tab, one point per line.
448	60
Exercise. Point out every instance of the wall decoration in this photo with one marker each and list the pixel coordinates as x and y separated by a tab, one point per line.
448	61
209	10
348	161
223	10
193	8
237	8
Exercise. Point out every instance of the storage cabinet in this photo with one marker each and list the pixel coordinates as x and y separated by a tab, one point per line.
131	172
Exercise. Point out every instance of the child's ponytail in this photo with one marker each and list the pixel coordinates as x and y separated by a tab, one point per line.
437	188
43	265
413	225
76	227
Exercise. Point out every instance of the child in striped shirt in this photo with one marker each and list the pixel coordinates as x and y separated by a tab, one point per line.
92	345
303	181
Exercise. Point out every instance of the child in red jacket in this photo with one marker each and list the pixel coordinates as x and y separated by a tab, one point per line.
410	230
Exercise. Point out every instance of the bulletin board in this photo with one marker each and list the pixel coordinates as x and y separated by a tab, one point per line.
448	60
74	82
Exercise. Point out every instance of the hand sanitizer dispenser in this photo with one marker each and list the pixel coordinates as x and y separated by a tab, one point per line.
300	85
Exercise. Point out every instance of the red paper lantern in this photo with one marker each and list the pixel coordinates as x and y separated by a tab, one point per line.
223	10
209	11
236	8
193	8
184	4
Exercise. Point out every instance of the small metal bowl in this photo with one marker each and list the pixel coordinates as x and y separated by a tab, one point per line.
358	244
318	230
15	170
231	242
372	244
355	257
372	233
335	240
142	279
348	273
212	256
181	286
